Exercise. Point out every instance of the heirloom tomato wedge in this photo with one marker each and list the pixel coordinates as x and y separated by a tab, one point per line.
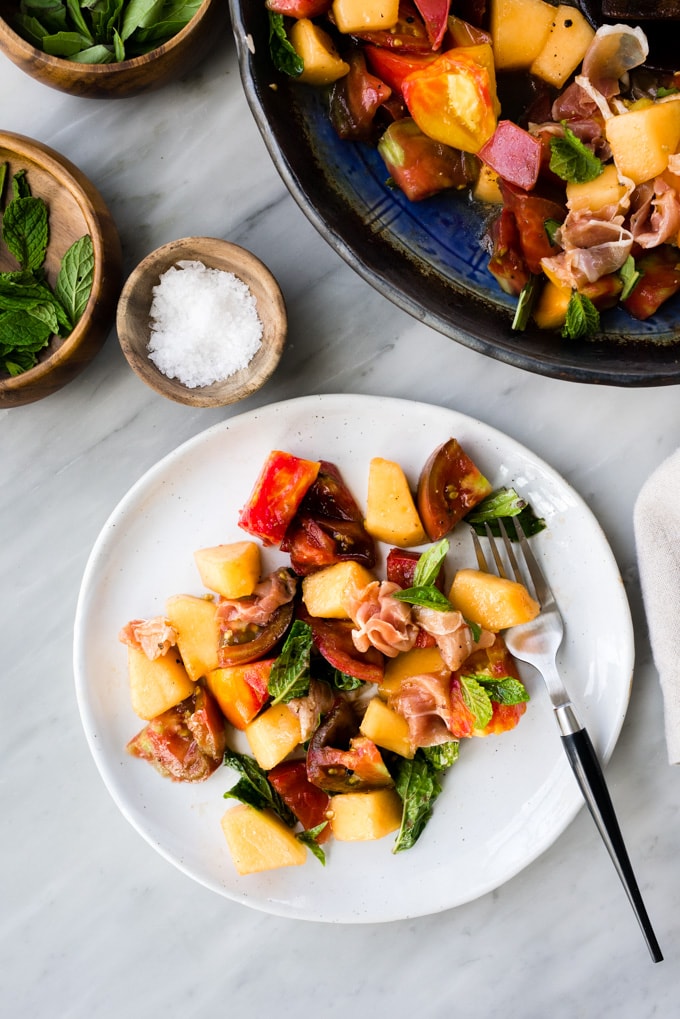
279	490
450	484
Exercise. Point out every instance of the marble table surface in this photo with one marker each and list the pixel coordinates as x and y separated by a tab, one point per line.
94	923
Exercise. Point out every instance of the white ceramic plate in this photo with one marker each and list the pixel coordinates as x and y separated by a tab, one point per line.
505	801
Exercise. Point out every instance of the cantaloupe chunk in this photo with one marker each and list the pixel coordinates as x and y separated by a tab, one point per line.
258	840
550	311
387	728
156	685
519	29
322	62
642	140
565	47
493	602
364	15
230	570
391	514
241	690
415	662
197	632
362	817
326	592
273	735
595	194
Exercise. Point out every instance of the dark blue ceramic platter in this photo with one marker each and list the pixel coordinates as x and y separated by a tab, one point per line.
426	257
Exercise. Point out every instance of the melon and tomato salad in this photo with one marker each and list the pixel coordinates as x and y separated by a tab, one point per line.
339	685
563	135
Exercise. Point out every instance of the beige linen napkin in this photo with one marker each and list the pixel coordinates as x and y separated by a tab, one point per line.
656	521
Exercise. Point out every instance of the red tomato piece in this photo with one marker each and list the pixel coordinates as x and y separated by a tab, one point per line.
514	154
435	15
660	280
392	66
409	35
299	8
333	639
355	99
531	212
496	661
186	743
507	263
421	166
309	803
450	484
279	490
461	721
453	99
241	690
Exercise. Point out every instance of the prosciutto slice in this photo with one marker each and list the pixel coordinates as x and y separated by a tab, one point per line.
270	594
382	621
425	703
309	709
656	218
154	636
452	635
595	244
614	51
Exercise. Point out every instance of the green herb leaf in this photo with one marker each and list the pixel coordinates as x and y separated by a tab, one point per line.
443	755
427	597
418	786
254	789
309	837
284	57
76	275
25	231
503	502
525	304
662	92
20	186
629	276
477	700
583	318
343	681
503	689
428	566
551	228
290	674
573	161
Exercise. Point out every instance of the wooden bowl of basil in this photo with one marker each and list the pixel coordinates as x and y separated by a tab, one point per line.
60	271
76	47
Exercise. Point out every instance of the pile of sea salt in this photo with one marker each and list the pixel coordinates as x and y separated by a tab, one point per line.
204	324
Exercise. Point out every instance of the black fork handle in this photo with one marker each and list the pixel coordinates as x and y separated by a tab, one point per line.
590	778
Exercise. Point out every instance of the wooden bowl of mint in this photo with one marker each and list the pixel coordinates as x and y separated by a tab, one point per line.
60	270
78	47
202	322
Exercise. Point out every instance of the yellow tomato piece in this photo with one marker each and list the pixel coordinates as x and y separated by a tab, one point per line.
453	99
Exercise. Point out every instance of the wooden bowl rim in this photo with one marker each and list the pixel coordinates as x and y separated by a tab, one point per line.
220	254
12	41
67	175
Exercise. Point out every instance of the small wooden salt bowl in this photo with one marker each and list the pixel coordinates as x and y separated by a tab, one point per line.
123	78
75	207
134	326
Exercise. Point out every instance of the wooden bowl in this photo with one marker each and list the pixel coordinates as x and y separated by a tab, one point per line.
134	329
126	77
75	208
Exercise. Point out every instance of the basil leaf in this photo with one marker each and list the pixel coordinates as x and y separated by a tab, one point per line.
253	787
427	597
503	689
308	838
290	675
429	564
25	231
573	161
417	784
442	756
503	502
629	276
583	318
284	57
525	304
65	44
76	274
477	700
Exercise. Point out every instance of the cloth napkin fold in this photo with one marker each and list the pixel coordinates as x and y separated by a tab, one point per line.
656	521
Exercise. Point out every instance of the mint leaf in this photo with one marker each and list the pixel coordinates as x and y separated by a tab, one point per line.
284	57
503	689
20	186
551	228
477	700
418	786
583	318
290	675
525	304
629	275
503	502
443	755
25	231
428	597
76	274
254	788
573	161
428	566
309	837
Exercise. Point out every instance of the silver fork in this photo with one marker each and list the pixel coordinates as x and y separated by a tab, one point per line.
537	644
